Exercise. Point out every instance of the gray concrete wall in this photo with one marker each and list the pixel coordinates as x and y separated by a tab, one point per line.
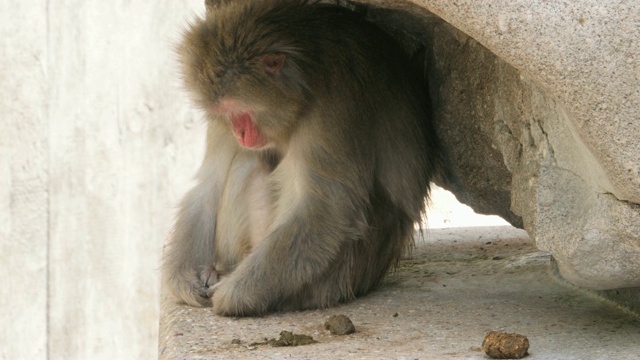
97	144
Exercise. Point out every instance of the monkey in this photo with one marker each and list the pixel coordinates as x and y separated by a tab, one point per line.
319	156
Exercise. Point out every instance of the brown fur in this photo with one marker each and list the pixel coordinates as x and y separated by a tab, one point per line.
320	213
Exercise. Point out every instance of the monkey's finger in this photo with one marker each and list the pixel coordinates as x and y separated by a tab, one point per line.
212	289
208	276
203	292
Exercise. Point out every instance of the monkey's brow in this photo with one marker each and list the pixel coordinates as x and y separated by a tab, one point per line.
226	75
231	65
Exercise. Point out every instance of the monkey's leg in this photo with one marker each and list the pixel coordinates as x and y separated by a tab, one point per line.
292	256
307	236
188	260
243	211
188	264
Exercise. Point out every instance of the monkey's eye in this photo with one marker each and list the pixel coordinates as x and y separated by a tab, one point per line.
273	62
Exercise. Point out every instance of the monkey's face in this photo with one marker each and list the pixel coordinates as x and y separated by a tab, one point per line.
255	86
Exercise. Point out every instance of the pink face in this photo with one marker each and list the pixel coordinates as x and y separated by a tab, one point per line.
246	132
244	128
241	117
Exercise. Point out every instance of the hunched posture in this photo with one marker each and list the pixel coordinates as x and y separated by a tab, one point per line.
319	157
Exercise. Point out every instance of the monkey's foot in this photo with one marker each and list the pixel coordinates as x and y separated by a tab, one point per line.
208	277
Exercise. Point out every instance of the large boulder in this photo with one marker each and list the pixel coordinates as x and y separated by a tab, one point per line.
537	104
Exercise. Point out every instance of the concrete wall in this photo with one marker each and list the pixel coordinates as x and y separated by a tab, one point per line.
97	144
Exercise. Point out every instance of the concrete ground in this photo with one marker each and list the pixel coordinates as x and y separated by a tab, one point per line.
458	284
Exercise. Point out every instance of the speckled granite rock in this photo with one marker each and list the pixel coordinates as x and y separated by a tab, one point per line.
537	103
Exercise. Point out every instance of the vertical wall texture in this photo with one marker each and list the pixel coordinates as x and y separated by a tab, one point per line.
23	180
97	144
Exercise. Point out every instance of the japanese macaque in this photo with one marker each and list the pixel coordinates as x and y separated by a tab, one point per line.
318	161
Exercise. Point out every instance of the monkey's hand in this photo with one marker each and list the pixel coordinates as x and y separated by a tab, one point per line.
194	287
230	299
280	266
251	288
209	278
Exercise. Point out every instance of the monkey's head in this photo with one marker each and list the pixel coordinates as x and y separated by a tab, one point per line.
243	64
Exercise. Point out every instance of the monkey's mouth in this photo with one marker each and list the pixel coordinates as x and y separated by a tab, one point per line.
246	132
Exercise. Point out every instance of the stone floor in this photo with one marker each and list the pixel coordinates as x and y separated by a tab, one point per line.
458	284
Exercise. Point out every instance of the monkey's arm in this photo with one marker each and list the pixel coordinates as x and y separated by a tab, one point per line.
189	255
315	216
294	255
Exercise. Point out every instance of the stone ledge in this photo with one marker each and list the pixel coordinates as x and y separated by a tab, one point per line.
458	285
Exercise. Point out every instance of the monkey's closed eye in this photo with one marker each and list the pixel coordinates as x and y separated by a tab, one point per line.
273	62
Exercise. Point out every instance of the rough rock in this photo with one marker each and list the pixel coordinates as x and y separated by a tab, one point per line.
537	104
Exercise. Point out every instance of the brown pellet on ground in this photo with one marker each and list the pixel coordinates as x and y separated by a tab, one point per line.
500	345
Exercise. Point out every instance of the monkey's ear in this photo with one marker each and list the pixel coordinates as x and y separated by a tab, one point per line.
273	62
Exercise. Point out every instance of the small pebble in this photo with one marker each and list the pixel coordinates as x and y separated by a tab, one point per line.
500	345
339	325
